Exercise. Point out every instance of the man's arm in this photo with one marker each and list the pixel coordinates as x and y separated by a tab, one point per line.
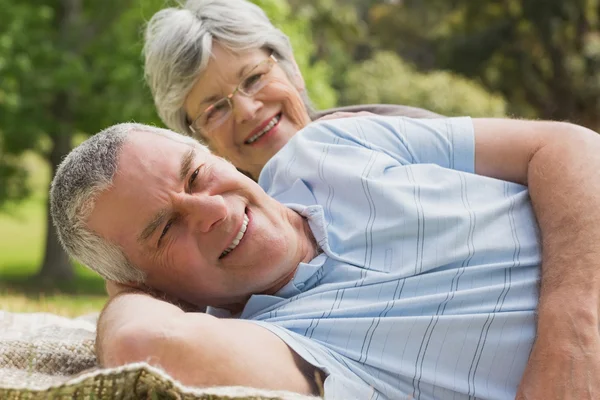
559	162
196	348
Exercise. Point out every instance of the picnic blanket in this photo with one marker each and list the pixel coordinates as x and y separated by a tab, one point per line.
45	356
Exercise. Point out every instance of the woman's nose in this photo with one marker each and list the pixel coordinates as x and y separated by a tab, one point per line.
245	108
203	211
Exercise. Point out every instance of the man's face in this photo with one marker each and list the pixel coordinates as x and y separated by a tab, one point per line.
201	231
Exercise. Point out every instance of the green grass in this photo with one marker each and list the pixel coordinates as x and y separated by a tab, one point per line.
22	235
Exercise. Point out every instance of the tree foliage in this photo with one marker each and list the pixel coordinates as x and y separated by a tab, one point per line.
67	68
337	34
542	55
386	78
317	73
72	67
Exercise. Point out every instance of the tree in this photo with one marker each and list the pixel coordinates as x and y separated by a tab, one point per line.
71	68
386	78
337	34
542	55
317	73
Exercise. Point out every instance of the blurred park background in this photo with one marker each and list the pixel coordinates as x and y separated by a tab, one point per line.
69	68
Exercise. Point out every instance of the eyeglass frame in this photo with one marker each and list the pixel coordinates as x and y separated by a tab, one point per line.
272	59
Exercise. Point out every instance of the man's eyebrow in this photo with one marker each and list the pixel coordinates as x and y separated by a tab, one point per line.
160	217
186	163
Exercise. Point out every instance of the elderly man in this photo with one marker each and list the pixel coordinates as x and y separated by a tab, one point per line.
396	263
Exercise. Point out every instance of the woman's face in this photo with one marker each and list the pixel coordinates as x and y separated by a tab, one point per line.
259	125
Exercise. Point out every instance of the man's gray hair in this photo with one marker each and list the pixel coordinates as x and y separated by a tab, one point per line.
86	172
178	45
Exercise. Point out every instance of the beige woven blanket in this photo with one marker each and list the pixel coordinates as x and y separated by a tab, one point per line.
44	356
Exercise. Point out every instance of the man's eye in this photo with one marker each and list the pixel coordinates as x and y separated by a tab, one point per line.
193	177
165	229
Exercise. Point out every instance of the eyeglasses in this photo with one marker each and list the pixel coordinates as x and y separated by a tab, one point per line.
217	113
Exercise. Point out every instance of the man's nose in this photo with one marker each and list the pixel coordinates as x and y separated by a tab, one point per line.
203	211
245	107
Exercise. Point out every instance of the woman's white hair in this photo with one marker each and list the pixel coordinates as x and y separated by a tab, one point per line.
178	45
85	173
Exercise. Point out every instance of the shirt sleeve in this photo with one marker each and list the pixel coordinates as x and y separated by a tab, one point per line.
342	379
447	142
382	109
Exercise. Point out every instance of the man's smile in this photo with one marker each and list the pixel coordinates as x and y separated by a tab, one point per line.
236	241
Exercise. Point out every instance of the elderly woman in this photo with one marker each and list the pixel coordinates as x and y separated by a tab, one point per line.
221	72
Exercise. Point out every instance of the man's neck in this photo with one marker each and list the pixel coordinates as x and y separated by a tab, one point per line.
313	248
308	249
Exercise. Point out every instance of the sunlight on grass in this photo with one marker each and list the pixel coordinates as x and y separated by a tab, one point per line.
23	225
69	306
22	235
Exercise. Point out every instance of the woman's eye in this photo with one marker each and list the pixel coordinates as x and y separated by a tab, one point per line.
213	113
217	111
209	115
253	80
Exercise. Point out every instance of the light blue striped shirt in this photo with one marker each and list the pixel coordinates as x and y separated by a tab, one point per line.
427	284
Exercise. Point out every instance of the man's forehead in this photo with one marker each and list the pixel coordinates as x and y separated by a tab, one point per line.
153	146
152	139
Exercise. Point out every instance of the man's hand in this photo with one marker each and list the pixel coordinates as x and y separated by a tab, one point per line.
565	360
114	288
